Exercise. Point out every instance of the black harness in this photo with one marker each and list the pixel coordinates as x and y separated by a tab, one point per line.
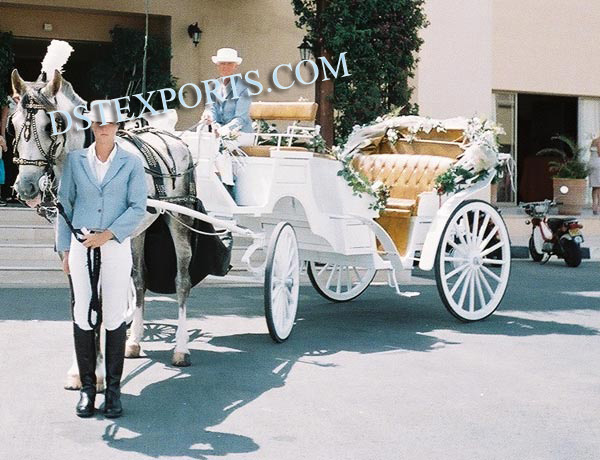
94	261
154	157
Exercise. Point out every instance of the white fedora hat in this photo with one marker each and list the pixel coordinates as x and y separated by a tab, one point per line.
227	55
107	108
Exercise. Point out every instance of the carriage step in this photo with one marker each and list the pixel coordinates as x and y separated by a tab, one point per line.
12	233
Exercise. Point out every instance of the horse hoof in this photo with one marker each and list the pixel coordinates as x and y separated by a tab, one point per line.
73	383
132	350
181	359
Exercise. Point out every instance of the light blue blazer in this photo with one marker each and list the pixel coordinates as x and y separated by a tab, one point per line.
117	204
233	113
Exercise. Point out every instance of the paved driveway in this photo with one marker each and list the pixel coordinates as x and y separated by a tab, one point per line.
379	378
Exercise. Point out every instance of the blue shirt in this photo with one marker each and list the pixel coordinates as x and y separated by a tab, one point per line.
233	113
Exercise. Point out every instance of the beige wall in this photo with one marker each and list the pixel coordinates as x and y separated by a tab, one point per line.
454	76
263	31
547	46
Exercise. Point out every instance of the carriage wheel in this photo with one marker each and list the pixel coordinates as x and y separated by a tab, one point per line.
339	283
473	261
282	282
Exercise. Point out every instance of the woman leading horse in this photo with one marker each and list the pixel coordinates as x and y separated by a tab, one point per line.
103	195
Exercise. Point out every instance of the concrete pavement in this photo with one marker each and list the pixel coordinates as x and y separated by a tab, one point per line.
378	378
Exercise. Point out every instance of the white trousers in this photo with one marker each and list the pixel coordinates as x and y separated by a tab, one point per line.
115	274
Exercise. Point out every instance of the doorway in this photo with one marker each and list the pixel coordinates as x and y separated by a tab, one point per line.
539	117
29	53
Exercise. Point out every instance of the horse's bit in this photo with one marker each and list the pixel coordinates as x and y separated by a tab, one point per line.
47	182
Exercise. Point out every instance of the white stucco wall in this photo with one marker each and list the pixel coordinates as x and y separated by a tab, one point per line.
454	75
547	46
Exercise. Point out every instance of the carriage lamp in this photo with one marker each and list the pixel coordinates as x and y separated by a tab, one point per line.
305	50
194	32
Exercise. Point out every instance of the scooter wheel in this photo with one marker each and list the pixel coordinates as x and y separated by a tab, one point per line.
536	256
571	253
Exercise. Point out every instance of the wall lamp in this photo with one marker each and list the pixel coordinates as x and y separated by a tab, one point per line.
194	32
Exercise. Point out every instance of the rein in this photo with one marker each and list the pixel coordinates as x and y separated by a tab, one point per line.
94	261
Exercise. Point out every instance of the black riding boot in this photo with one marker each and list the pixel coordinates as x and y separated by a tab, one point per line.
85	350
115	355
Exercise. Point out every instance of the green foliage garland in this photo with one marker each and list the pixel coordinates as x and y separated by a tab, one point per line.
360	183
381	38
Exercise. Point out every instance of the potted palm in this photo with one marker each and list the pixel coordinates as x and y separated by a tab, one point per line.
569	175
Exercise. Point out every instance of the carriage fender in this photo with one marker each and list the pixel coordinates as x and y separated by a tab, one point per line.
432	240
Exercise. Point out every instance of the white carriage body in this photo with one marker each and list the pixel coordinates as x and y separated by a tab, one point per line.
297	198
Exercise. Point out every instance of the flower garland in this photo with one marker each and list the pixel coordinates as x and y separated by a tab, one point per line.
479	159
360	183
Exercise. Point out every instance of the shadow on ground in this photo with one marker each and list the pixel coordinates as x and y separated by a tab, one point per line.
174	417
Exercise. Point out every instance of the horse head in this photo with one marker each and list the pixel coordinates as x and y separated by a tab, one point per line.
40	154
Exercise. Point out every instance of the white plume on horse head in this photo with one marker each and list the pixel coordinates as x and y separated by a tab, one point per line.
56	57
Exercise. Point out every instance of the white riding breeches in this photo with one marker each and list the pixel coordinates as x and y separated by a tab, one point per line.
115	274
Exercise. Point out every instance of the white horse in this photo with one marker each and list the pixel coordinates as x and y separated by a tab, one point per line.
41	156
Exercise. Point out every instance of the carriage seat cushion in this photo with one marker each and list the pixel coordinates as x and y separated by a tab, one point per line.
292	111
406	175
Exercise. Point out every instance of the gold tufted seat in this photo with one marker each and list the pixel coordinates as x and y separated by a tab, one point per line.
407	175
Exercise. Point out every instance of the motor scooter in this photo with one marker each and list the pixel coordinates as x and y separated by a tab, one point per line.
553	236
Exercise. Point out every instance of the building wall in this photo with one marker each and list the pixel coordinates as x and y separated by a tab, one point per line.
454	75
263	31
547	46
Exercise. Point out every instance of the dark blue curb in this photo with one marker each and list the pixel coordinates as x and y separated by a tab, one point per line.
522	252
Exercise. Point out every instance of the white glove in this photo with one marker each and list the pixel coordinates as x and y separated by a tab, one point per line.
206	118
223	131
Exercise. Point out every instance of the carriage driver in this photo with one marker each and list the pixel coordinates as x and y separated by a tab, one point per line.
230	113
103	192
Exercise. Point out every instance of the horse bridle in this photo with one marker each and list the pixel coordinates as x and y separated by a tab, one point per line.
30	126
48	186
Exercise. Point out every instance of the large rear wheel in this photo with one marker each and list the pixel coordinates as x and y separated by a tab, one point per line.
473	261
338	282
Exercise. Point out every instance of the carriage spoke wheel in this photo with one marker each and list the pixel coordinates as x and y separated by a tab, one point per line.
282	282
339	283
473	261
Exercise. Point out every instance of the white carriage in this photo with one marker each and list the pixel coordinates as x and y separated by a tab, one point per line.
302	214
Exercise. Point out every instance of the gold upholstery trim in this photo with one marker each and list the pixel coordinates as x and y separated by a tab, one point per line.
265	150
296	111
420	148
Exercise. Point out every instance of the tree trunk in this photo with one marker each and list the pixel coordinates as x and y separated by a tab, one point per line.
324	89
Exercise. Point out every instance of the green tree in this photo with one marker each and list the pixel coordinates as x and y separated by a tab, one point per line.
382	40
7	61
118	73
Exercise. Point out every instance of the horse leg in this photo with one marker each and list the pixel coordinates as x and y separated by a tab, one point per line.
136	332
73	381
183	283
100	370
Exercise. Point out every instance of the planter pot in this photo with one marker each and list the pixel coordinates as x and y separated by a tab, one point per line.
574	199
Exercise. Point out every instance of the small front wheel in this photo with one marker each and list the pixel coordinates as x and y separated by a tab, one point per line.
536	256
282	282
571	252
